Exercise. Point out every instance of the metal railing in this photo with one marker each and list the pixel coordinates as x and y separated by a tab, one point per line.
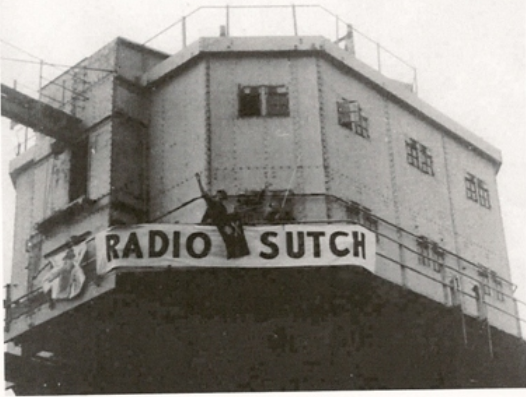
282	20
437	273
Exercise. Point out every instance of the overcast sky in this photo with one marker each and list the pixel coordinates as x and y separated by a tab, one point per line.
470	57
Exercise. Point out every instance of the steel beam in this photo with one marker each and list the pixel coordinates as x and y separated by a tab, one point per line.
39	116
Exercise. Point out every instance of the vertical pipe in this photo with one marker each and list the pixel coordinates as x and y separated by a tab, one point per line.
294	19
490	342
183	27
227	20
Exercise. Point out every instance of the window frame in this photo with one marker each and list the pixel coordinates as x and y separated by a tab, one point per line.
272	101
483	193
477	191
430	254
419	156
499	290
273	98
351	116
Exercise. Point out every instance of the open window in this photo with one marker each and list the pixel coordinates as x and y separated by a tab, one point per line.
263	101
350	115
249	102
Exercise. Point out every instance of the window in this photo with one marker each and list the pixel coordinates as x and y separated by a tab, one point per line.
498	290
350	115
419	156
426	161
78	177
411	147
477	191
264	100
430	254
249	102
471	187
484	276
362	216
483	194
277	101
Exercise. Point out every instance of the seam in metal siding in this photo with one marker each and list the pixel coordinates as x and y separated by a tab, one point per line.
325	154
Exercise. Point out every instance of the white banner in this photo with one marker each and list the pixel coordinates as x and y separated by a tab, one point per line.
183	245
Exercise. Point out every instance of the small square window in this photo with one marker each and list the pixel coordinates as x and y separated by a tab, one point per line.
419	156
477	191
350	116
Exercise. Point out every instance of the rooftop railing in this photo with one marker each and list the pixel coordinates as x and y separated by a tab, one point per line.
282	20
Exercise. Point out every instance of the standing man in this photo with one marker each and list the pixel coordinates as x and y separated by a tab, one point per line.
228	225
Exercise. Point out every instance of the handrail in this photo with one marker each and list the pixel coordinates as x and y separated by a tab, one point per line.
31	295
379	48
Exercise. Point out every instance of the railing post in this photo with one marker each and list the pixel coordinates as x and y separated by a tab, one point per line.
183	27
337	20
415	81
7	307
379	56
294	19
41	71
227	20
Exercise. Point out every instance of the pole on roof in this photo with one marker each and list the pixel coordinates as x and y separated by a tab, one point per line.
183	27
415	81
227	20
40	77
379	56
337	20
294	19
